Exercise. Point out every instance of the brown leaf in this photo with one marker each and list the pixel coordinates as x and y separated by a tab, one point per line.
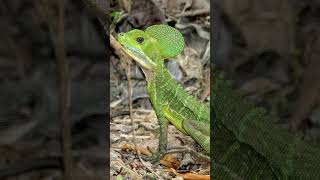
170	161
142	150
191	176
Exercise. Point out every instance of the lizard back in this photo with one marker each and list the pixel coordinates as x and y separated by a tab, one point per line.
178	100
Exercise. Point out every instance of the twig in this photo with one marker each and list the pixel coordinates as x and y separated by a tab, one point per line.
127	169
194	13
121	53
64	81
132	123
119	113
65	99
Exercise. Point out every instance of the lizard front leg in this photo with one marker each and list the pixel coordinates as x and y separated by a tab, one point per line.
163	138
157	103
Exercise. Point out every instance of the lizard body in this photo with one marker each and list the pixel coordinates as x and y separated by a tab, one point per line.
171	103
248	145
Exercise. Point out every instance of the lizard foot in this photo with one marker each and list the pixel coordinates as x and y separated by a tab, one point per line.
187	150
154	158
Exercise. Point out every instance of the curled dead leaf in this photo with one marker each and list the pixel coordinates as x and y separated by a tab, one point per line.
170	161
142	150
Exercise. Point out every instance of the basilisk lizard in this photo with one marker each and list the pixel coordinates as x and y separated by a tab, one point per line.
171	103
246	144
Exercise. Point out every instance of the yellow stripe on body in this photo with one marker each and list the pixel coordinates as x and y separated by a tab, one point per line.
174	118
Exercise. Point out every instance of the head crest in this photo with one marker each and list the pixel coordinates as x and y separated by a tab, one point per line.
170	40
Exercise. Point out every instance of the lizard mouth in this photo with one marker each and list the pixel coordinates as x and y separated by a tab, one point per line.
140	57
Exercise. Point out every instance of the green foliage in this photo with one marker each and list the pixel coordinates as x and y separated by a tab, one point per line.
114	17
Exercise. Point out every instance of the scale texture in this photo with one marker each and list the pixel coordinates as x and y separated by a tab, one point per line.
247	145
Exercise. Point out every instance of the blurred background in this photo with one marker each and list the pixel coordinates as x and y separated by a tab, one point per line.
271	51
48	54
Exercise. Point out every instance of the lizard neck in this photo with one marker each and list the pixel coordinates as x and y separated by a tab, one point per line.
151	73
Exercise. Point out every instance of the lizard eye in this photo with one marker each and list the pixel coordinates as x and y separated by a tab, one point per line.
140	40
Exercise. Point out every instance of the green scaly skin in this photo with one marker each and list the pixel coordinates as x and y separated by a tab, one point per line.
247	145
171	103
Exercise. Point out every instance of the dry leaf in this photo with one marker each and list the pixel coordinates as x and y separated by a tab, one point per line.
142	150
191	176
170	161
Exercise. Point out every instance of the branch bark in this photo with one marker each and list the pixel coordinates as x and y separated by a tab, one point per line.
64	93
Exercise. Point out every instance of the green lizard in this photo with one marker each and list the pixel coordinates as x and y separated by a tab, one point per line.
247	145
171	103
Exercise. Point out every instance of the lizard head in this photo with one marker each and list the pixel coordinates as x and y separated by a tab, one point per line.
150	47
140	47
